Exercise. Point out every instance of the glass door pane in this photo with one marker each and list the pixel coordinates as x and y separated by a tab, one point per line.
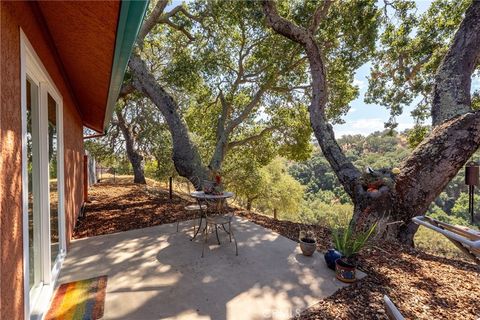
53	182
33	168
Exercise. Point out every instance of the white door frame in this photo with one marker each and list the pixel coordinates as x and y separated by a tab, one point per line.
31	65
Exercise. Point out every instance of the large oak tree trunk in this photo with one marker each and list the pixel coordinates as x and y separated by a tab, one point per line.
426	172
136	159
186	158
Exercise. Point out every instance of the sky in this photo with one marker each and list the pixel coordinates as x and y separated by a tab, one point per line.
366	118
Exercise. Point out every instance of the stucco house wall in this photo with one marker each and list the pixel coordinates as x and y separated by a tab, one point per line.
13	16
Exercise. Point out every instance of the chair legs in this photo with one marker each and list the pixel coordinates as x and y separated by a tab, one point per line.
195	233
230	234
216	233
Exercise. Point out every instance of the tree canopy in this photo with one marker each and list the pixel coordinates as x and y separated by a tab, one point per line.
237	85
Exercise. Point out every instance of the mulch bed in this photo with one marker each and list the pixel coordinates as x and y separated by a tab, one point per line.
116	207
423	286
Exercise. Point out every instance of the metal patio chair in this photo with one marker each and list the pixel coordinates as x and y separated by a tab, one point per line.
219	220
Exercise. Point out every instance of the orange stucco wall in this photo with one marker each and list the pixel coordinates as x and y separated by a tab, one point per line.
13	16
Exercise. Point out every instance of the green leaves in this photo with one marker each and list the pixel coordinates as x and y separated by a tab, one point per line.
350	241
410	49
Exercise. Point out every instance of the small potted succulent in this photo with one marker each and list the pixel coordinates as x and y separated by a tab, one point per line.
349	242
308	244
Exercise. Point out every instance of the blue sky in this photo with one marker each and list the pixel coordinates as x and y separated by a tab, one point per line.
366	118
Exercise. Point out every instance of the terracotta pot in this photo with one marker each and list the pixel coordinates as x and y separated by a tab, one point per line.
345	272
308	246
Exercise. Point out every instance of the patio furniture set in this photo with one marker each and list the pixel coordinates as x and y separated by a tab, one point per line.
210	212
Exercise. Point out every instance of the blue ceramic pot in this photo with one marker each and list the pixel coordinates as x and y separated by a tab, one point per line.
331	256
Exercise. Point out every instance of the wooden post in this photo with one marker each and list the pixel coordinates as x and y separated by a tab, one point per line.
170	190
275	213
85	178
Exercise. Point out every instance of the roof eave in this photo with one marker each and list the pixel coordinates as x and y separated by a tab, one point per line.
129	23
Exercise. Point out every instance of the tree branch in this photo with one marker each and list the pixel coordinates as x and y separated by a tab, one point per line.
346	172
158	16
248	109
255	137
451	93
126	89
179	28
319	15
223	115
151	21
289	89
181	8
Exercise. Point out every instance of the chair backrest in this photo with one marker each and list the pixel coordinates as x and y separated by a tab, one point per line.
196	182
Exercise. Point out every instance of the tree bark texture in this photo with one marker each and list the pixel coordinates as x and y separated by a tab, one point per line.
186	158
453	78
136	159
426	172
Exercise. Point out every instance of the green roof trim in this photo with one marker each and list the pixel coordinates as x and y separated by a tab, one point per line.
130	20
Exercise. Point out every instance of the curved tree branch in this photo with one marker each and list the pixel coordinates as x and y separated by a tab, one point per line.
185	154
451	93
344	169
319	15
252	138
151	21
159	16
426	172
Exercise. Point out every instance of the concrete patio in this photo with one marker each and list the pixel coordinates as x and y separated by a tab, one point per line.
157	273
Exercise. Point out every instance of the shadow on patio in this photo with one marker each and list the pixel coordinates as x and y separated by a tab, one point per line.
157	273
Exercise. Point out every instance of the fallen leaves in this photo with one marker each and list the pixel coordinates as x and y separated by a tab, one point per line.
422	285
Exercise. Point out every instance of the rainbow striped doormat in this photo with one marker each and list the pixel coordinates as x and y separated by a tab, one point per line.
79	300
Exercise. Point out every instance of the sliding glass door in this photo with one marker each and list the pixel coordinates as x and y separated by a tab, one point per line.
33	167
43	184
53	179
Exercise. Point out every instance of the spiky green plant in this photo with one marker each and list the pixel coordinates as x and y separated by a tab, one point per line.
350	242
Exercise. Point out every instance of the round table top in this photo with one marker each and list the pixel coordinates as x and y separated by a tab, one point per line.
203	195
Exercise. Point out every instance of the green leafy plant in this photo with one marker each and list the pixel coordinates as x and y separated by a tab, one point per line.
349	241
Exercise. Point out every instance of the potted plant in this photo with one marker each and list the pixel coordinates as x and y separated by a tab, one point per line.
308	244
349	242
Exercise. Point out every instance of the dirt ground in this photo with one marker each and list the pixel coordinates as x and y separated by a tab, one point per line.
423	286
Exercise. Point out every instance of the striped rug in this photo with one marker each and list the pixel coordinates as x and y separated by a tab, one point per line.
79	300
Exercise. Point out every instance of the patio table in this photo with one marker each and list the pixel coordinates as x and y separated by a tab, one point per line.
201	196
217	219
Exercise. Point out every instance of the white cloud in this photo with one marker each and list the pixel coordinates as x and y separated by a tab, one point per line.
365	126
360	83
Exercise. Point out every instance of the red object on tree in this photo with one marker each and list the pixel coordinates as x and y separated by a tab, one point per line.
218	179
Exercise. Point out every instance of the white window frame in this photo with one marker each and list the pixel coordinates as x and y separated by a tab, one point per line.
31	65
